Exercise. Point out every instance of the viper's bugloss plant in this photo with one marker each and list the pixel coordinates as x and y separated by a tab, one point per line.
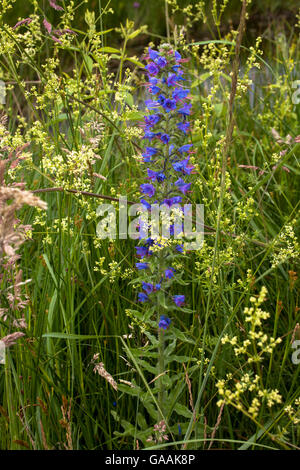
166	163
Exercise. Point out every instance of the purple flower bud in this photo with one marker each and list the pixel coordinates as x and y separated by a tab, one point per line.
21	22
165	138
47	25
151	104
142	265
141	251
142	297
183	166
180	94
177	56
183	126
182	186
147	287
154	90
160	176
161	62
179	300
153	81
185	148
146	204
172	79
153	54
164	322
53	4
151	120
185	110
148	189
169	273
169	105
152	68
172	200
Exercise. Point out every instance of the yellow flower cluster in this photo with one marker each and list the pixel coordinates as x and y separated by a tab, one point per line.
257	343
286	246
235	395
253	348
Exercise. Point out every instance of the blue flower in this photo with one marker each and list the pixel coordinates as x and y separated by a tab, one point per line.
154	90
146	204
161	99
185	110
151	174
148	287
172	200
176	68
151	104
164	73
152	120
179	300
153	81
146	158
151	151
180	94
152	68
153	54
183	166
169	105
156	175
141	251
142	297
183	126
165	138
142	265
172	79
149	242
149	135
185	148
148	189
160	176
164	322
161	62
177	166
169	273
182	186
177	56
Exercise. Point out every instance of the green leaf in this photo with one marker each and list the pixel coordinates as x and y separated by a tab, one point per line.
201	79
180	335
181	359
109	50
183	411
129	99
135	62
134	116
88	62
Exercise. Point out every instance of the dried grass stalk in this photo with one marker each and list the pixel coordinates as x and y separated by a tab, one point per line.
100	369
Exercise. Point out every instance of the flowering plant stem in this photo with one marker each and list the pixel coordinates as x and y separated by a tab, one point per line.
168	169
